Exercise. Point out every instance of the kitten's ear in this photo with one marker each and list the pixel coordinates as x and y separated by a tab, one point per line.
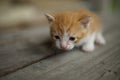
50	18
85	22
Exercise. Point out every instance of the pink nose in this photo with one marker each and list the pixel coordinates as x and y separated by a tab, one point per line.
63	46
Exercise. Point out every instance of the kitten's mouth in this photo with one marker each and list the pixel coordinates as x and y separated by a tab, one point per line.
63	48
66	49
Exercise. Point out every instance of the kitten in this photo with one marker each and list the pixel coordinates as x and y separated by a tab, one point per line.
75	28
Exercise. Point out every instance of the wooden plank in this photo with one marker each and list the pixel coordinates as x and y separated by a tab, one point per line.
74	65
22	48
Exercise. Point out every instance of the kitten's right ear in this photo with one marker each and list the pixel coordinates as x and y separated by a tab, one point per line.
49	17
86	21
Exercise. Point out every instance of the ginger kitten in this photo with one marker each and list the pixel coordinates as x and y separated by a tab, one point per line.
75	28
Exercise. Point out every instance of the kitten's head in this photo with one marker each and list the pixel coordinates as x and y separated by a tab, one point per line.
67	29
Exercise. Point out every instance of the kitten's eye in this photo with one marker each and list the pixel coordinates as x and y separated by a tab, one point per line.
72	38
57	37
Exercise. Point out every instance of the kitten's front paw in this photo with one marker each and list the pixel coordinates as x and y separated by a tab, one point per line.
101	41
88	48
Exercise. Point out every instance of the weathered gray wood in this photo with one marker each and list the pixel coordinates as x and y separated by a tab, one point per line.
102	64
21	48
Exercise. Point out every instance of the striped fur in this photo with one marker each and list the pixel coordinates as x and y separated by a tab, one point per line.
78	24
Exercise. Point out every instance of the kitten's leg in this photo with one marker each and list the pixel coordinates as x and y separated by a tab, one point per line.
100	39
89	45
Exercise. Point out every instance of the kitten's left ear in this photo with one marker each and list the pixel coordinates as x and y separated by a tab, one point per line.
85	22
50	18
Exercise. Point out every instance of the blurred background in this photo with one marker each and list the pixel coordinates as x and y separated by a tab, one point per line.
19	14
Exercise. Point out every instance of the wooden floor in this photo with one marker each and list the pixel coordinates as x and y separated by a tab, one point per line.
28	55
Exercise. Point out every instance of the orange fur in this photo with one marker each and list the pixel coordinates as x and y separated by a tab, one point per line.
72	28
70	21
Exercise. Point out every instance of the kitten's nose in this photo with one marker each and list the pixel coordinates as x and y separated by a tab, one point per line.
63	46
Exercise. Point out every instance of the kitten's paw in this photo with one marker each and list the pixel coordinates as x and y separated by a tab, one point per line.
100	41
88	48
